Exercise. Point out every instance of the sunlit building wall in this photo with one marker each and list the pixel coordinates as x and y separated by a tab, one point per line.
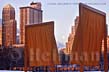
71	37
29	15
8	26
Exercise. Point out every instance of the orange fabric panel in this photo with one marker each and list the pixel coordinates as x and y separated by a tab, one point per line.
88	37
40	44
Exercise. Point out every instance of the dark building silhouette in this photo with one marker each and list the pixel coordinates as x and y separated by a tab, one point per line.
0	36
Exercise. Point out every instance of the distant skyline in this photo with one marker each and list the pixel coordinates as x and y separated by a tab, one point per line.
63	12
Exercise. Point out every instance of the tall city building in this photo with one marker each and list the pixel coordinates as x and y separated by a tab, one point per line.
29	15
8	26
69	44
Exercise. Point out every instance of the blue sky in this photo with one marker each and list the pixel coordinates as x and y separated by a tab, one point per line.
63	14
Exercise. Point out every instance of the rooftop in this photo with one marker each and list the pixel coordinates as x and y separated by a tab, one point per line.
8	6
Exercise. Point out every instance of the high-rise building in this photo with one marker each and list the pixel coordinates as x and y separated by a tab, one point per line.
29	15
69	44
8	26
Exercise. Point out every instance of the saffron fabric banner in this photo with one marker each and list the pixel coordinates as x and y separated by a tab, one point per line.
41	48
90	32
